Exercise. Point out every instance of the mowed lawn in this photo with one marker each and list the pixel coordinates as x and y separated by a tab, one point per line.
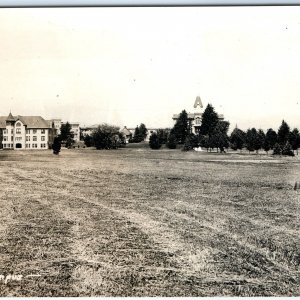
140	222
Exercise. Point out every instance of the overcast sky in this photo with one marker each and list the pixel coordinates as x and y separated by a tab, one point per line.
125	66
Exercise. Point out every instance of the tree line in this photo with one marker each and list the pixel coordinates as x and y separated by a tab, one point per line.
213	134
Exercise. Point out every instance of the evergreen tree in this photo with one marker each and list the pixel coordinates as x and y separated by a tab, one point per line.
140	133
294	139
56	146
172	142
209	120
237	139
259	140
219	138
283	133
66	135
181	128
251	139
271	138
154	141
163	135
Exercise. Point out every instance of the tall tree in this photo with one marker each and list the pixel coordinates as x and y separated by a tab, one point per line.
219	138
271	138
56	146
237	139
294	139
172	142
283	133
251	137
181	128
140	133
66	135
209	120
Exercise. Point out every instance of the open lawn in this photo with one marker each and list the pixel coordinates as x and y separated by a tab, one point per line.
140	222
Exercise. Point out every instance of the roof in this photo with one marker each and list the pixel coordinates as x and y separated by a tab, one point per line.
29	121
10	117
198	102
126	131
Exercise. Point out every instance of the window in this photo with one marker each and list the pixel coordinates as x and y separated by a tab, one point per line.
12	139
5	131
43	138
12	131
198	121
18	124
5	138
28	145
18	130
4	145
43	145
27	131
18	138
34	138
34	145
43	131
27	138
33	131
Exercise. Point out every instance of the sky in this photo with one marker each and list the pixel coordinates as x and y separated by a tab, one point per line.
132	65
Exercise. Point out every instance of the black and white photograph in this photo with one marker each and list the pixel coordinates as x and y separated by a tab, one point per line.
150	151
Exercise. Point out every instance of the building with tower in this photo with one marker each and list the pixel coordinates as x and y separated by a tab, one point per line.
195	118
26	132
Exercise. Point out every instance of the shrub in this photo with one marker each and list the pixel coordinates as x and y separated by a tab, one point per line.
56	146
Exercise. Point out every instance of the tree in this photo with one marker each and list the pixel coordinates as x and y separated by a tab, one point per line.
56	146
294	139
66	135
209	120
181	128
283	133
271	138
140	133
237	139
106	136
172	142
259	140
163	135
219	138
251	139
154	141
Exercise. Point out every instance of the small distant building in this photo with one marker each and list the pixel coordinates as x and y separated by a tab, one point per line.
127	134
75	129
195	117
87	130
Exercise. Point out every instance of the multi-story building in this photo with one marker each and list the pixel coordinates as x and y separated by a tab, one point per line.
26	132
195	118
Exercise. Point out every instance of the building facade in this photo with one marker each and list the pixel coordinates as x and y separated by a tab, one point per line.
195	118
26	132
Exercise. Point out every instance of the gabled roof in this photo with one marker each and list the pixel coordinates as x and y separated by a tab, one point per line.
29	121
126	131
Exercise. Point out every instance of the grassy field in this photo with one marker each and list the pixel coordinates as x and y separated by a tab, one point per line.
136	222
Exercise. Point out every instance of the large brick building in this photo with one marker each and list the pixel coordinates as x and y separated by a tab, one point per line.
26	132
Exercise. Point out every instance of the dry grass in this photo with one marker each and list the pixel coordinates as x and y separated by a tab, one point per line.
136	222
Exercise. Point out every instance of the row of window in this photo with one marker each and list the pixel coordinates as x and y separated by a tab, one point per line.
28	131
19	138
36	145
43	145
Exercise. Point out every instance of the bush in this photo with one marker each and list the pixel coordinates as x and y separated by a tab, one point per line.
56	146
154	141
